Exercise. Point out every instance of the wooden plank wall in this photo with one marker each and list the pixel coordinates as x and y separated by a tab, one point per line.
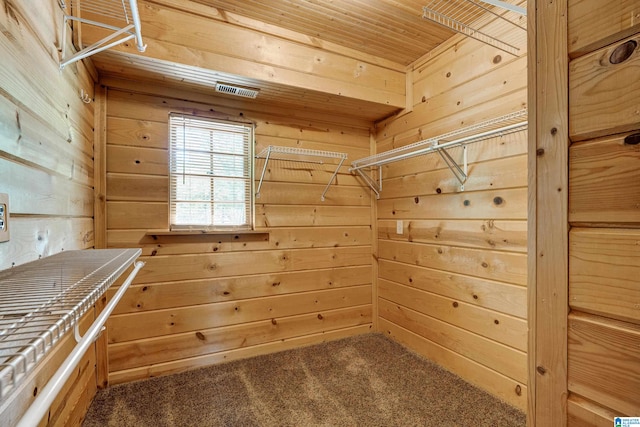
604	241
452	285
46	138
211	298
46	167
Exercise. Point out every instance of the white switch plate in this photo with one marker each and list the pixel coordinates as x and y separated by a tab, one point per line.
399	227
4	217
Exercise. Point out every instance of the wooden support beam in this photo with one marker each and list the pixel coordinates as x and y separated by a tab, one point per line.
548	212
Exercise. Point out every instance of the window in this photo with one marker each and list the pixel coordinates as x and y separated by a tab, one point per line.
211	174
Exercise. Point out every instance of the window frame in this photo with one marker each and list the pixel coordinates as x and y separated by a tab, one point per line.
249	161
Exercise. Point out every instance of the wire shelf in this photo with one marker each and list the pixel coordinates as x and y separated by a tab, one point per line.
274	152
499	126
124	21
43	300
480	20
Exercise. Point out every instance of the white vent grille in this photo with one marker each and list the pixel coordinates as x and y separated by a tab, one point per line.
236	90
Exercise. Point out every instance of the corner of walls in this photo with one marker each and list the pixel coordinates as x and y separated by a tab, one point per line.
452	284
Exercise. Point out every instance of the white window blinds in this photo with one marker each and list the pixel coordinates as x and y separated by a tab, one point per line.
211	173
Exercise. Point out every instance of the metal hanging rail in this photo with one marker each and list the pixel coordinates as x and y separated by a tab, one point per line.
303	155
470	17
43	300
499	126
123	12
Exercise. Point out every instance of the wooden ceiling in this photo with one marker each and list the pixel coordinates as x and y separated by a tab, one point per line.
389	29
373	40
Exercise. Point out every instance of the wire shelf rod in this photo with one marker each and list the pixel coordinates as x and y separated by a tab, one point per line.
70	283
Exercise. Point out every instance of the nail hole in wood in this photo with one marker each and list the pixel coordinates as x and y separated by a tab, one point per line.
623	52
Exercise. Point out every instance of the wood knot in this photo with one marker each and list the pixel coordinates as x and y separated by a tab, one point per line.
200	336
540	152
498	200
438	190
320	317
541	370
632	139
623	52
455	304
518	390
497	59
274	322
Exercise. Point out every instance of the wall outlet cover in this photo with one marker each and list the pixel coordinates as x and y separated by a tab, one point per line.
4	217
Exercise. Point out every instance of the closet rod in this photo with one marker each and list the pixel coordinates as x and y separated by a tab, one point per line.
43	402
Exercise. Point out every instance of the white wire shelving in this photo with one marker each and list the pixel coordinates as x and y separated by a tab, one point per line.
43	300
485	20
121	16
294	154
370	167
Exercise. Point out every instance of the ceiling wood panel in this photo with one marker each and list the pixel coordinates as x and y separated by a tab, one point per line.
393	30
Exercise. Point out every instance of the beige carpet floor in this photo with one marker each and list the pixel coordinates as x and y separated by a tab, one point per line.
367	380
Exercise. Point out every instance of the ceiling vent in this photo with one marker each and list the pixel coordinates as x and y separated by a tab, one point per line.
236	90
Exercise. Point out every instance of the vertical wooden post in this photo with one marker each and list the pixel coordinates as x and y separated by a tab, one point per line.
548	212
100	167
